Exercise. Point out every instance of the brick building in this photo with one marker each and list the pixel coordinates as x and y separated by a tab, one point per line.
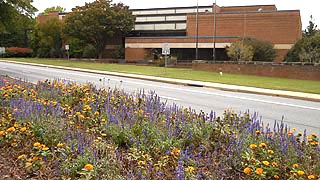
177	27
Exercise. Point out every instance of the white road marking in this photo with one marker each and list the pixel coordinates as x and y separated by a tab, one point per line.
202	92
169	98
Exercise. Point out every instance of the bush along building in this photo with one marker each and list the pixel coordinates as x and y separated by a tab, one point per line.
200	32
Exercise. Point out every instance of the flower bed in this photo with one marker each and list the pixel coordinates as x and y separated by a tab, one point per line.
62	130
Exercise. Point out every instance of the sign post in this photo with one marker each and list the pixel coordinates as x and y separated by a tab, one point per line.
165	52
2	51
67	47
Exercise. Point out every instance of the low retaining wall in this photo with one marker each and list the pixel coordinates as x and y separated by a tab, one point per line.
305	72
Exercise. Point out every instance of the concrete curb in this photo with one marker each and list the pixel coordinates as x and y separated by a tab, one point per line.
226	87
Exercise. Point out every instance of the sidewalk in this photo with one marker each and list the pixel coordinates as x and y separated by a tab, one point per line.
227	87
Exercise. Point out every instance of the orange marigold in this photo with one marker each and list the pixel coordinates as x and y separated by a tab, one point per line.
259	171
247	170
253	146
300	173
276	176
36	144
266	163
88	167
311	177
295	165
263	145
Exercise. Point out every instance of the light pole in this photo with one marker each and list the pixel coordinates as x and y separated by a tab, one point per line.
214	31
197	31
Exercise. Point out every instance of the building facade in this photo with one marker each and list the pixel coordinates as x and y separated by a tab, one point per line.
183	29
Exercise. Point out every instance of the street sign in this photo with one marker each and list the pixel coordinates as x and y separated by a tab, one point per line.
165	49
2	50
67	47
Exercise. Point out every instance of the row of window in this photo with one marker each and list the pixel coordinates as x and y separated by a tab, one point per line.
171	11
161	18
154	27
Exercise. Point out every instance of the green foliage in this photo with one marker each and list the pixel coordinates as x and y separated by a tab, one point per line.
263	50
95	23
306	49
311	29
47	38
76	47
54	8
89	51
11	9
118	52
239	51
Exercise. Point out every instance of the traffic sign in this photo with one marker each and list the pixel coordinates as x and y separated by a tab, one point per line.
67	47
165	49
2	50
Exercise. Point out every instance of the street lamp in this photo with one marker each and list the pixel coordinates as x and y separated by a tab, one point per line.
197	31
214	31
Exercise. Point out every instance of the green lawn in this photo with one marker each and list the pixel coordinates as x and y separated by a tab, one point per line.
184	73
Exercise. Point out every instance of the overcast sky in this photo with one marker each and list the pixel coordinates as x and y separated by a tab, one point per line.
306	7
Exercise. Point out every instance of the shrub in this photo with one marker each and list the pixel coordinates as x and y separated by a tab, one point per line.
239	51
89	52
18	52
263	50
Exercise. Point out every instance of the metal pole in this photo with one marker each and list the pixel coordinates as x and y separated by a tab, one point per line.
214	31
197	31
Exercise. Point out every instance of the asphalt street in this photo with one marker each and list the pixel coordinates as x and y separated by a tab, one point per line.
300	114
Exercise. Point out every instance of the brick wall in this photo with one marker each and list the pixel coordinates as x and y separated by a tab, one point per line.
282	27
136	54
306	72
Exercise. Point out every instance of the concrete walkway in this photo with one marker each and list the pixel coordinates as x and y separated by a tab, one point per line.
227	87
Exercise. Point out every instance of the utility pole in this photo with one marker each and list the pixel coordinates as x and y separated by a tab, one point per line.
214	31
197	31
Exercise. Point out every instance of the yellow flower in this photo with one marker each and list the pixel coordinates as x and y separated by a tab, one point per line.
263	145
259	171
294	129
190	169
103	134
36	144
96	113
60	145
22	156
88	167
78	113
45	148
253	146
247	170
175	151
290	133
299	133
258	132
103	120
276	176
146	156
11	129
270	151
2	133
311	177
274	164
300	173
141	163
266	163
23	129
314	134
295	166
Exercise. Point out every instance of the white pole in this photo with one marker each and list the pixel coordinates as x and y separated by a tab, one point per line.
197	31
214	31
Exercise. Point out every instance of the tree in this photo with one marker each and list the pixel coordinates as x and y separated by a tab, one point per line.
306	49
10	9
48	38
311	29
97	22
262	50
239	51
54	8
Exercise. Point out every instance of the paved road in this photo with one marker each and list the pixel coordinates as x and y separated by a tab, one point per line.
296	113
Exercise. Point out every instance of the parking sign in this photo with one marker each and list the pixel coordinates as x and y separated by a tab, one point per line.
165	49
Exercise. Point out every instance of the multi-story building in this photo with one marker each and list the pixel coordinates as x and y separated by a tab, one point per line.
183	29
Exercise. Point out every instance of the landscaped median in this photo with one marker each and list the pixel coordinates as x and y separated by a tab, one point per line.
58	130
185	73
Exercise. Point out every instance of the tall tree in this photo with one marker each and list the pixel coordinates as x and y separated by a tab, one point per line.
311	29
97	22
48	38
54	8
10	9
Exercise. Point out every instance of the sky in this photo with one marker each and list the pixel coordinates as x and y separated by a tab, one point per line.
306	7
